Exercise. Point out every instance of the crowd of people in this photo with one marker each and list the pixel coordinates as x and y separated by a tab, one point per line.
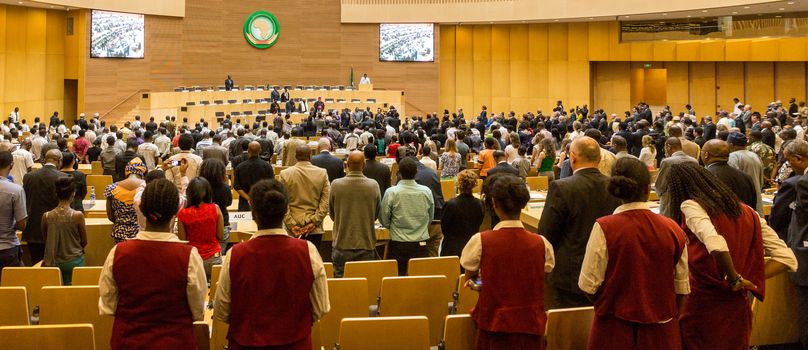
678	277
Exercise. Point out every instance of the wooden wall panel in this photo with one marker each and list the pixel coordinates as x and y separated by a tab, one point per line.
789	81
464	71
481	44
447	68
759	84
500	68
702	87
730	79
612	86
520	85
678	85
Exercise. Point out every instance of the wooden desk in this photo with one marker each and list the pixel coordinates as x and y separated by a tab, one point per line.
87	169
382	234
531	214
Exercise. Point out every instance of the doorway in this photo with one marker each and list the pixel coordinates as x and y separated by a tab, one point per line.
71	110
649	85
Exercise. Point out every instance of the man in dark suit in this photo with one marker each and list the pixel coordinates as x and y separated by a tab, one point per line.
40	197
275	95
715	156
228	83
375	169
767	133
636	137
502	165
709	128
797	238
332	165
285	95
54	120
796	152
573	204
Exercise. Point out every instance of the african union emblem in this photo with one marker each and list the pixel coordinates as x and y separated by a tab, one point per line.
261	29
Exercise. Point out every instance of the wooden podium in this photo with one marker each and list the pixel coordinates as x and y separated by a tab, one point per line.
365	87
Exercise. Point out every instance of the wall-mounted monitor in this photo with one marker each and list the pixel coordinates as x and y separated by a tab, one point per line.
407	42
116	34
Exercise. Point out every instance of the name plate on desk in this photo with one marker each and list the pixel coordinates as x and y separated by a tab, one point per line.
240	216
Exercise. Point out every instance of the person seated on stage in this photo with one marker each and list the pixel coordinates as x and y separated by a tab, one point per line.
510	311
154	284
272	279
364	80
635	268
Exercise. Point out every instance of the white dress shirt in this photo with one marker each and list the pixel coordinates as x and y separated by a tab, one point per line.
364	80
472	253
319	289
23	160
596	259
196	290
699	223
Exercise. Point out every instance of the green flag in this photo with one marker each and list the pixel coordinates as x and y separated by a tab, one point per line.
350	79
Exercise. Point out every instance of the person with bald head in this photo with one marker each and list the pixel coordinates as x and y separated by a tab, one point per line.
715	156
673	155
40	197
332	165
308	189
248	173
572	206
353	204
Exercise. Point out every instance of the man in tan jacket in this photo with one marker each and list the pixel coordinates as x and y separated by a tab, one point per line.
308	189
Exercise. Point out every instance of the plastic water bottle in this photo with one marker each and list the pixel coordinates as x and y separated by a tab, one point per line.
92	196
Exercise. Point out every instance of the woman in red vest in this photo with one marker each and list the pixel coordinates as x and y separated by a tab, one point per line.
510	311
154	284
635	269
726	244
272	287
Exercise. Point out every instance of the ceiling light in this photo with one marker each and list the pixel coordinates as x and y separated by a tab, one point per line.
791	3
20	2
734	12
746	7
765	37
778	16
782	9
704	11
688	16
626	16
664	14
555	20
591	18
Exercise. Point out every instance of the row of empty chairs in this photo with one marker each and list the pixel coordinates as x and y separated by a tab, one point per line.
263	87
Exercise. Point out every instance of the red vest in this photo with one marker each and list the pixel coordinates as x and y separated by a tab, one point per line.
152	311
512	272
745	242
643	250
271	279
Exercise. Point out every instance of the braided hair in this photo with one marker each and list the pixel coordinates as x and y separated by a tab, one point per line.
269	203
160	201
691	181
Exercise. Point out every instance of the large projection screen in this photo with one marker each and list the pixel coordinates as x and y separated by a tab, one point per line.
407	42
117	35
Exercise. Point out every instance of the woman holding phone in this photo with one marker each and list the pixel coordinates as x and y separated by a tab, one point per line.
510	315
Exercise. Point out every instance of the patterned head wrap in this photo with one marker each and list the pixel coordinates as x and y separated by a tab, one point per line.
135	166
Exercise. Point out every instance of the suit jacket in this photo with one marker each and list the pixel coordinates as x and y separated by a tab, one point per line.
275	95
798	231
379	172
308	189
332	165
690	148
780	217
572	206
709	131
284	96
768	137
503	168
429	178
40	197
661	184
228	84
737	180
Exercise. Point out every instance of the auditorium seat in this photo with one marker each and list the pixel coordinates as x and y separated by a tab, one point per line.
86	275
356	100
202	335
371	100
71	336
479	187
774	321
448	266
533	171
68	305
33	279
466	298
373	271
416	296
538	183
97	168
218	335
448	188
215	271
100	182
399	333
316	338
329	269
232	101
190	103
459	332
568	329
218	102
14	306
348	298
